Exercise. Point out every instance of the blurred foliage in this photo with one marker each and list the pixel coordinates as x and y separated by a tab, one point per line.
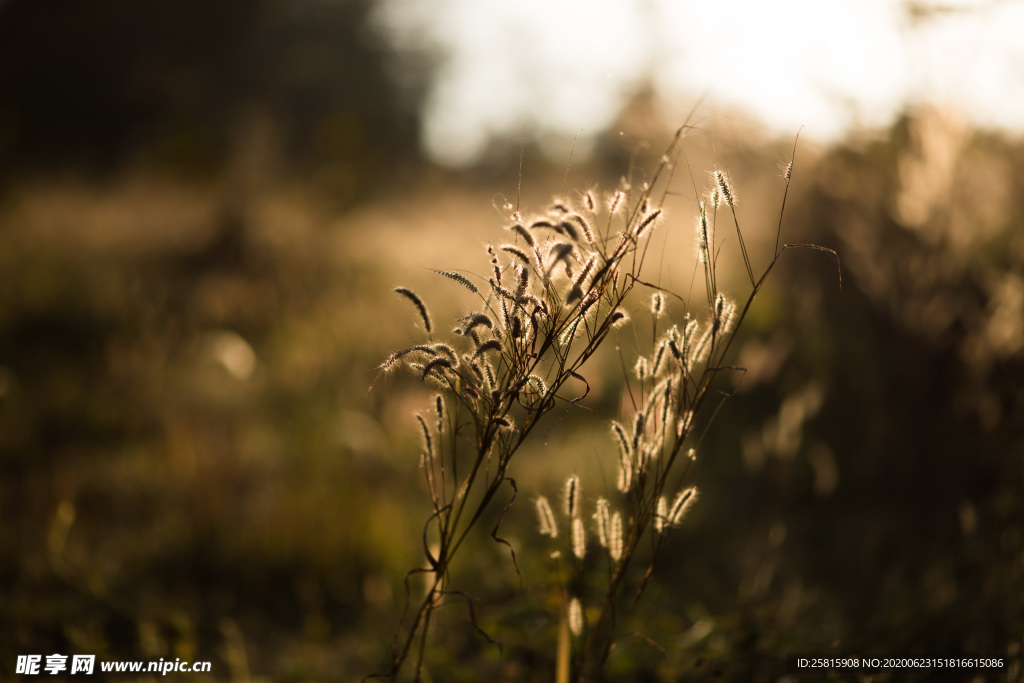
192	463
184	85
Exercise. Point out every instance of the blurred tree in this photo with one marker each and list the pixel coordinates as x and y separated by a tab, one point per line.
92	84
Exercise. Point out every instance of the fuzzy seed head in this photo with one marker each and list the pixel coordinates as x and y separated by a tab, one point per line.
621	439
459	278
569	334
418	303
666	405
575	617
522	281
516	325
726	189
579	283
428	443
440	349
618	318
490	345
587	305
724	313
703	243
715	197
615	202
647	221
659	356
438	365
638	430
689	332
674	348
683	502
536	384
476	320
583	224
517	252
558	251
657	304
603	519
641	369
615	537
520	230
579	538
661	515
625	480
702	349
568	229
572	485
392	360
546	518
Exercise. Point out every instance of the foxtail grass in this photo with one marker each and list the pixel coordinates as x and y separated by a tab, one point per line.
553	295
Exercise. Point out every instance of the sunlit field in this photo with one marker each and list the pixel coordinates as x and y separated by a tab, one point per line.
209	442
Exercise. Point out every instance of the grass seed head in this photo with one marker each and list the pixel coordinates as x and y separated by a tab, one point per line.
579	538
615	537
648	220
725	188
568	229
559	207
703	240
583	224
437	364
618	318
418	303
575	617
681	505
615	202
517	252
490	345
460	279
524	233
641	369
602	518
657	304
428	443
571	493
661	515
639	422
536	384
546	518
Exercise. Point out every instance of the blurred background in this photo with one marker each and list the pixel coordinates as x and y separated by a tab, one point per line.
204	208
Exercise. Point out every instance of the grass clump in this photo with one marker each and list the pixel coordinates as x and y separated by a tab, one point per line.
553	294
